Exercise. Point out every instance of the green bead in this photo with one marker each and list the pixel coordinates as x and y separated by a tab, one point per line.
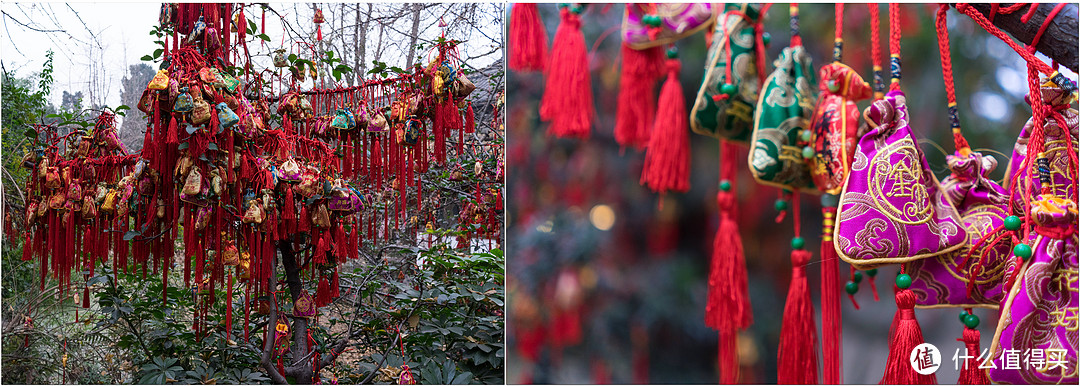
577	9
963	314
1012	223
833	85
563	5
652	20
1022	250
672	53
806	135
798	243
766	38
851	287
780	205
808	152
872	272
725	185
971	321
903	281
728	89
856	277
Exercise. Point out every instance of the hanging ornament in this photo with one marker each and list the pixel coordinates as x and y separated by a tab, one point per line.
318	23
528	39
667	161
567	103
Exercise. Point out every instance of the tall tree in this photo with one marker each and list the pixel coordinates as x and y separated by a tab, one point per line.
132	86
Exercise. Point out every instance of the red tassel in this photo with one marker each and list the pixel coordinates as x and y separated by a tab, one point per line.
797	360
830	302
321	249
319	32
228	307
528	38
86	297
568	100
322	294
667	161
304	222
340	250
335	290
636	110
907	335
28	247
171	138
728	309
280	365
288	212
470	117
970	374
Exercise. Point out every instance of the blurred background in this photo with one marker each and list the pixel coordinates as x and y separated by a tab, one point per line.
604	287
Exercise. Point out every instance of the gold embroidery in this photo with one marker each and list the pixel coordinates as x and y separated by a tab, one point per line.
740	110
896	172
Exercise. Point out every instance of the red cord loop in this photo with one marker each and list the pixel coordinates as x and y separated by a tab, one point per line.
894	45
959	142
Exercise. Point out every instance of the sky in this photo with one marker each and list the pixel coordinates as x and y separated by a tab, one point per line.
103	39
122	29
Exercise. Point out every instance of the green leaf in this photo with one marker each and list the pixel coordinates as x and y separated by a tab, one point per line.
264	37
146	58
130	235
158	52
31	133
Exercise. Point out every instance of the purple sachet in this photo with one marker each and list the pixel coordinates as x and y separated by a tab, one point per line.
945	280
891	209
1039	315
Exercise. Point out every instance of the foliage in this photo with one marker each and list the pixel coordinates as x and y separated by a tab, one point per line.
158	339
448	310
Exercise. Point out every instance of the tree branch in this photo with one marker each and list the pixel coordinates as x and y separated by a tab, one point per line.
1059	42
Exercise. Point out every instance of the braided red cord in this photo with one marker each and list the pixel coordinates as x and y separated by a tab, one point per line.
1046	24
1041	66
839	40
894	44
946	57
875	49
759	48
839	8
959	142
1030	12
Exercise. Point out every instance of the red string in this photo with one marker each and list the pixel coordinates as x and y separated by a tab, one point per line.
795	213
1031	12
839	40
1046	23
875	49
946	57
894	44
1041	66
959	142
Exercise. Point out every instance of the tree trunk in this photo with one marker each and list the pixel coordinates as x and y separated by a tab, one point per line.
360	44
413	35
1059	42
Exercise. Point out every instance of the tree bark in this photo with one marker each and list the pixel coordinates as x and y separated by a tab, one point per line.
1059	42
414	35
